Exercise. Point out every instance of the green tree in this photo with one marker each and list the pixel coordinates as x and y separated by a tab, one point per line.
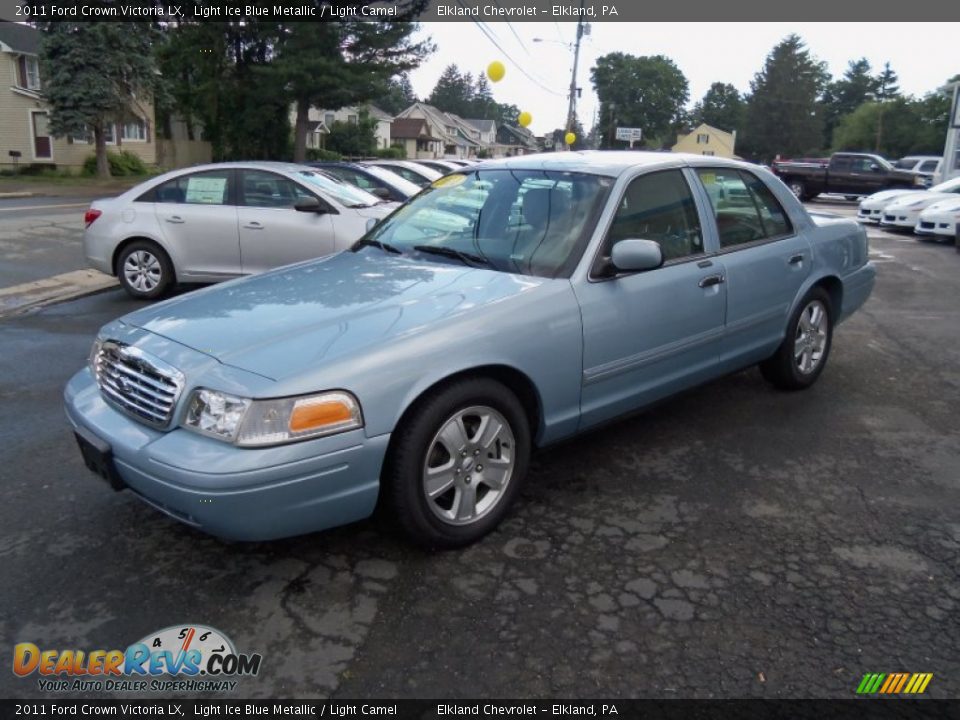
843	96
722	107
888	88
454	92
483	105
356	139
648	92
332	65
782	113
96	73
397	95
910	126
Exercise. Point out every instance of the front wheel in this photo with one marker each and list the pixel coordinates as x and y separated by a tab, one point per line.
798	188
802	355
144	270
457	463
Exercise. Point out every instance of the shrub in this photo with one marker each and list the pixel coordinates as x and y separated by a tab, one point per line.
319	154
395	152
123	163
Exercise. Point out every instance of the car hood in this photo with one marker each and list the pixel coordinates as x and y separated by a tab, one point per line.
286	320
925	196
944	206
888	195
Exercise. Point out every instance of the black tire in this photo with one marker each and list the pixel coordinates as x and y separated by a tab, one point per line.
782	368
799	188
150	273
416	445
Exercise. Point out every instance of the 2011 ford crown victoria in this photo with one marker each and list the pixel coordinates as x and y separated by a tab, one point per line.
508	306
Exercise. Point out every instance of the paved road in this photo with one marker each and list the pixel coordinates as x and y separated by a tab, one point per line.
40	237
736	541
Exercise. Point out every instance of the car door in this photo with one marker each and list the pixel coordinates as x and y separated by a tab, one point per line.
197	214
868	176
840	175
272	232
649	334
765	263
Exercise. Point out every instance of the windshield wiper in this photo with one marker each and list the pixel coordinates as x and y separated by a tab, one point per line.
464	257
376	243
361	205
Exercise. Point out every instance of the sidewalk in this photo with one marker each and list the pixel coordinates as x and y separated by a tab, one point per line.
22	186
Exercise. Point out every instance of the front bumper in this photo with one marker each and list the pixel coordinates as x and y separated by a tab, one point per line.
945	225
903	219
869	214
235	493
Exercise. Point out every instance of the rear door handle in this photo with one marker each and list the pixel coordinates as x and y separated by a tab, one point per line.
711	280
796	259
253	225
175	219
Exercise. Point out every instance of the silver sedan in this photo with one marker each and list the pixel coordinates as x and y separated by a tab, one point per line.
213	222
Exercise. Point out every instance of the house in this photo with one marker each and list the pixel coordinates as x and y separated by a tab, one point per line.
487	131
320	121
414	136
460	139
707	140
515	140
25	137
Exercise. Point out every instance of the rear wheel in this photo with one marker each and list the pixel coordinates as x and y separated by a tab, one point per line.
803	353
799	188
144	270
457	463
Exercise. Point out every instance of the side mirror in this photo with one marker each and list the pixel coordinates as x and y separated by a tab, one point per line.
380	192
309	205
372	223
874	167
636	255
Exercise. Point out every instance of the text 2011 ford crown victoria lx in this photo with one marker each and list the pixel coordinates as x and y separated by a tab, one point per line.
508	306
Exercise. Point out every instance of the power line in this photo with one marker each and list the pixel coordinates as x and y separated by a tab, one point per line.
512	61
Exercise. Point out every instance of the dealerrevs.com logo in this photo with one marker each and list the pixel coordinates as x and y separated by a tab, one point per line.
189	658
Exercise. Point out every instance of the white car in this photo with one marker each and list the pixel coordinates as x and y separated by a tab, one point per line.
929	166
418	174
904	212
213	222
873	208
941	219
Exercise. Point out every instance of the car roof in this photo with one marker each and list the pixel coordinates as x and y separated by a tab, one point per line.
604	162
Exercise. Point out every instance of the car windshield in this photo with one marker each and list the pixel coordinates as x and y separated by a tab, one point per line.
405	186
950	186
531	222
340	191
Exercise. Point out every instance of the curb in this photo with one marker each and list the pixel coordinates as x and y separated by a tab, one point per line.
11	195
52	290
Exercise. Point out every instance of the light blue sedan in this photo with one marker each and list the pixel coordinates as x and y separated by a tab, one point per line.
510	305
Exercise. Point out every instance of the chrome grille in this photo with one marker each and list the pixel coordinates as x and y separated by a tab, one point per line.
135	382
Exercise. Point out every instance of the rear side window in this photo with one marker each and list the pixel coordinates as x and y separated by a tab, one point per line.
659	207
206	188
745	209
928	165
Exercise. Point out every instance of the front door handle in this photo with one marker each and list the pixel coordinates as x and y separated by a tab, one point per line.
175	219
711	280
796	259
253	225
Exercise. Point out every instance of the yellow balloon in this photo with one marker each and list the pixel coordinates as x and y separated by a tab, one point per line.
525	119
570	138
496	71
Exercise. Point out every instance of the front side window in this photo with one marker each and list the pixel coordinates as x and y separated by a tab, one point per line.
529	222
269	190
744	207
659	207
206	188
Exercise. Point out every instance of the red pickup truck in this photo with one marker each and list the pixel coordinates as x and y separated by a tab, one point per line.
849	174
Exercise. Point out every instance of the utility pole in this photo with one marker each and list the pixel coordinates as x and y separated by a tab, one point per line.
572	108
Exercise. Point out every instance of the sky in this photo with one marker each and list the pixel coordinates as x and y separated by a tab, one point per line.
924	55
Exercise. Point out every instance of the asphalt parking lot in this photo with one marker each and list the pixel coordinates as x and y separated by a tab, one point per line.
734	542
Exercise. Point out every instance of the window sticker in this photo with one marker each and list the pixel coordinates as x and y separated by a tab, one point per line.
206	191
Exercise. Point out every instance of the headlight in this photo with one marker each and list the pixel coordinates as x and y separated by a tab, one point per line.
94	354
255	423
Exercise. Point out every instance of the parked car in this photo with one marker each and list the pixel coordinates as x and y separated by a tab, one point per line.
417	174
940	219
929	167
379	181
441	166
849	174
904	212
423	366
872	208
208	223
